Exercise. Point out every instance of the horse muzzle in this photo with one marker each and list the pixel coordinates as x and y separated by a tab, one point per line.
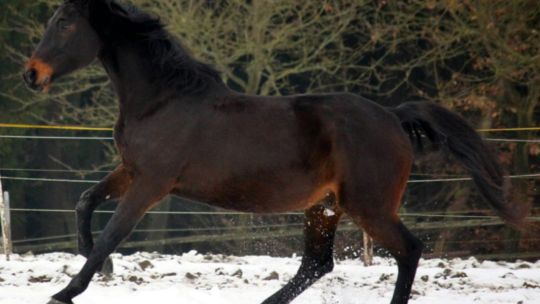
38	75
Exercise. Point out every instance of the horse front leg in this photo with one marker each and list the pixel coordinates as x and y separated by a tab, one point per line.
141	196
111	187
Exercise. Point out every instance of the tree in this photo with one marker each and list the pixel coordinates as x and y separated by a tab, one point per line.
478	57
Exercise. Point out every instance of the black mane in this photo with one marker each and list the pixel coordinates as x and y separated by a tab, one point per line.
175	66
171	63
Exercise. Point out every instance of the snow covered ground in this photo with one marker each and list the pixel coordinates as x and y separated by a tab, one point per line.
192	278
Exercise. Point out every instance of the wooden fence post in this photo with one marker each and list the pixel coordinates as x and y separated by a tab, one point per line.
368	249
5	218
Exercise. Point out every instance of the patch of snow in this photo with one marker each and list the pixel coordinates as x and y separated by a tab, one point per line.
194	278
329	212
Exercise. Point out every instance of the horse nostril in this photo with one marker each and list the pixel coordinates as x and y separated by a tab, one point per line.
30	76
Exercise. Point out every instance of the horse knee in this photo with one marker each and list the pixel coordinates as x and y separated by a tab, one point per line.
81	208
84	203
88	202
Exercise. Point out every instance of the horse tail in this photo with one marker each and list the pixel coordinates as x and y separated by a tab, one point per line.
450	132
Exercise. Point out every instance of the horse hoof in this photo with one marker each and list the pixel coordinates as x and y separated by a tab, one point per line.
55	301
107	268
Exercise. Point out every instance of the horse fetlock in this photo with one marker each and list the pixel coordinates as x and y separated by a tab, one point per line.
107	268
283	296
55	301
317	268
325	268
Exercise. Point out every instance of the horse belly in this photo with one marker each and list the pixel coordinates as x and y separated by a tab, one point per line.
262	193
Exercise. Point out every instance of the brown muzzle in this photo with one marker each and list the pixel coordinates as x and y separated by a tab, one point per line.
38	74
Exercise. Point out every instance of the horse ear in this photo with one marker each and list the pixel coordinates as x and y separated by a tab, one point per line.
117	8
78	2
113	6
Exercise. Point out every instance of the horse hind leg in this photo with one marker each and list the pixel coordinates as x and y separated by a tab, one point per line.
404	247
319	230
384	226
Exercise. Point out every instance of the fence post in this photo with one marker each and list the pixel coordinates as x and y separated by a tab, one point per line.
368	249
5	219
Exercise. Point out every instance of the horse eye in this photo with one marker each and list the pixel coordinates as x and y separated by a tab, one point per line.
62	24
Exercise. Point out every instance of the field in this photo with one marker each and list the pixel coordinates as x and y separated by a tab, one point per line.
193	278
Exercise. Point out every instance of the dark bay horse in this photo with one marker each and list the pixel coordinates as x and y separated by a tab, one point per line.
181	131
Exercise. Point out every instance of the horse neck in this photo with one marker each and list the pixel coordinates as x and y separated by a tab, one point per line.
128	71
